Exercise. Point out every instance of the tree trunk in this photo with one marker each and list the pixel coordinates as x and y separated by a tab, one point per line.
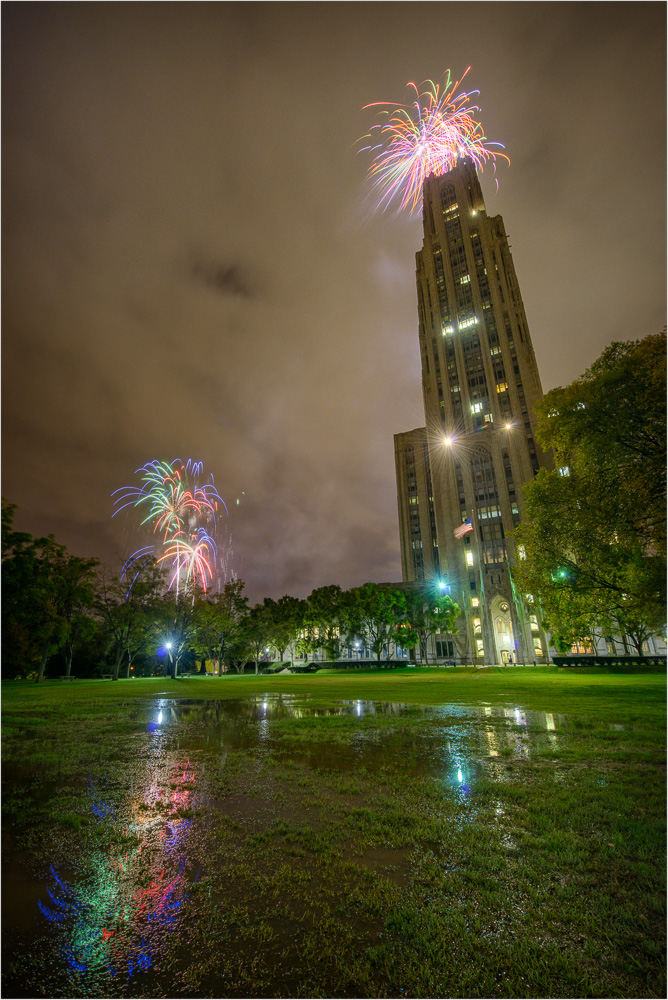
68	660
117	664
45	656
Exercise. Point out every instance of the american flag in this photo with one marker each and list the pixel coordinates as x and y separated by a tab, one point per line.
463	529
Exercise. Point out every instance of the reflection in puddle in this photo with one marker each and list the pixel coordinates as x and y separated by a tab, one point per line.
112	922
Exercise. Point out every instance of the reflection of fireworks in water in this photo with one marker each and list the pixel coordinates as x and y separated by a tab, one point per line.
423	138
183	514
115	921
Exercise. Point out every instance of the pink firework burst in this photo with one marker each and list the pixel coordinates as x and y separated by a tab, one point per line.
423	138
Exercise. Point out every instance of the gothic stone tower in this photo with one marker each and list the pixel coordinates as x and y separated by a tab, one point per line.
480	382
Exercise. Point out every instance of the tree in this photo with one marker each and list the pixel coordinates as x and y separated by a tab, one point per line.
285	617
177	622
129	612
593	531
258	630
323	615
373	614
222	627
47	597
428	611
76	583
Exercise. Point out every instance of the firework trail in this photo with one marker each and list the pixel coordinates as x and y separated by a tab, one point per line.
182	511
425	137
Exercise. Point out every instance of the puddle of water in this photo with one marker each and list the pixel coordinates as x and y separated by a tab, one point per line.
112	921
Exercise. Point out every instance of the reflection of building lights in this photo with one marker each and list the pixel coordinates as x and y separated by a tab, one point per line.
460	777
159	718
549	720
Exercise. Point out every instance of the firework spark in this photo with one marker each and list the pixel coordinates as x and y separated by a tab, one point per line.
423	138
183	514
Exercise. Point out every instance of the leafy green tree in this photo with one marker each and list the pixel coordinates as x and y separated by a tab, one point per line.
323	620
176	624
76	584
222	627
258	631
285	618
593	531
374	613
47	597
129	613
428	611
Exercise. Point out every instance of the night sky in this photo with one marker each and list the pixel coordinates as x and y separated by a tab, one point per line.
191	267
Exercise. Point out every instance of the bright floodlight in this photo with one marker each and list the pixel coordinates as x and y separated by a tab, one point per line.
442	585
508	426
168	645
448	441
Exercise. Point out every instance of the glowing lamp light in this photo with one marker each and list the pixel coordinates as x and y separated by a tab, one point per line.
168	645
448	441
442	585
508	426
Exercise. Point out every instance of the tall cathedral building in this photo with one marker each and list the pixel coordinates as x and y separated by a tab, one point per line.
459	477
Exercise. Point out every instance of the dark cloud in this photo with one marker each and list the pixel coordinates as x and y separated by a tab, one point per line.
191	266
228	279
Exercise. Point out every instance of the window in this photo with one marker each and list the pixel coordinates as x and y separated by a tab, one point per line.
564	470
469	558
582	648
479	647
501	386
475	603
476	407
521	551
464	324
534	623
501	626
477	627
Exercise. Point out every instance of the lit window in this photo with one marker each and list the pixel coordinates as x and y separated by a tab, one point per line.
465	280
521	551
464	324
489	418
537	647
479	646
469	558
475	603
564	470
412	499
500	626
529	598
476	407
476	625
448	329
501	386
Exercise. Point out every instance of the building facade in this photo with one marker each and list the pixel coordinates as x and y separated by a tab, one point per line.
459	476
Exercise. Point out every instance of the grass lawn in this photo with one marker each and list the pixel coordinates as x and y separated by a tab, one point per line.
423	854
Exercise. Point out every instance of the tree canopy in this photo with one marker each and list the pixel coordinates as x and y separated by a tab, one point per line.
594	529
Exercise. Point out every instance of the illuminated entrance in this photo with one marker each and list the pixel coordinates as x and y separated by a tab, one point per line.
503	631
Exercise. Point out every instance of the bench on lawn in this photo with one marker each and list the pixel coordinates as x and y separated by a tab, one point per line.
65	678
106	677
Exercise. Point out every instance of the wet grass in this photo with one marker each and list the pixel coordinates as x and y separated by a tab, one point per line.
342	856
